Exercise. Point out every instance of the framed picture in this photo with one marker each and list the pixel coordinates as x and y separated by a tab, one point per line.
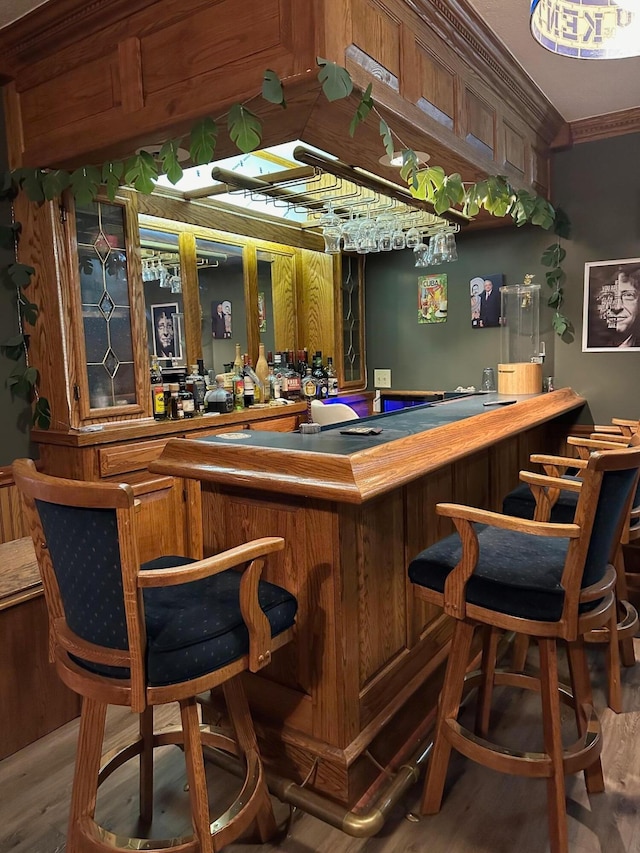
166	340
610	319
221	319
484	291
432	298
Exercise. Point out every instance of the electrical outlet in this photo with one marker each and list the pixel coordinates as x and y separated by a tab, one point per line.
382	378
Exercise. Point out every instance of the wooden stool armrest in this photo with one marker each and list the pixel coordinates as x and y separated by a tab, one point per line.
211	565
609	442
551	482
508	522
559	461
607	428
625	423
254	617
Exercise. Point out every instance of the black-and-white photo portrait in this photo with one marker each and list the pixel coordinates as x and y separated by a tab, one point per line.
611	301
166	343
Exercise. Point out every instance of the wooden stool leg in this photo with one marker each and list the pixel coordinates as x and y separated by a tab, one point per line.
583	698
519	653
614	687
485	691
87	767
195	774
146	765
549	688
627	652
449	706
242	723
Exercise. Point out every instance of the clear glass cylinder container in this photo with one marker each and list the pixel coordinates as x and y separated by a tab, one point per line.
520	323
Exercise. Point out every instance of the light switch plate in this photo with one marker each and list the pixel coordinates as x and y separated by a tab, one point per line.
382	378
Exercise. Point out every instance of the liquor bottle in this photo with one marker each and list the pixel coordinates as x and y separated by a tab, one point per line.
157	391
320	375
238	364
274	387
186	400
251	385
196	385
262	372
309	389
218	399
294	382
176	411
238	385
332	379
302	362
281	379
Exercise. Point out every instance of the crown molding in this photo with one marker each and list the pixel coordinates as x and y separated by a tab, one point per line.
606	126
458	24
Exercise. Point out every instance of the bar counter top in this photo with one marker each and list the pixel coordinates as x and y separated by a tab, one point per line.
356	468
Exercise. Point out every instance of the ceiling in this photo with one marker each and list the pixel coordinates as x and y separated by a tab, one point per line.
577	88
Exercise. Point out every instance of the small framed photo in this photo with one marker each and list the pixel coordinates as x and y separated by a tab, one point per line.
486	301
221	327
610	318
167	342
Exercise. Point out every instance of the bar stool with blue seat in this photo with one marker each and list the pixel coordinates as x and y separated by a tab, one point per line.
549	581
142	636
559	505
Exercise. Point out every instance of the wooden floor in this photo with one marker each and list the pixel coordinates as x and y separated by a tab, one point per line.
483	811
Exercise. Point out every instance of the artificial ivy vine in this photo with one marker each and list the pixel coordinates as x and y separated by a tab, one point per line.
494	194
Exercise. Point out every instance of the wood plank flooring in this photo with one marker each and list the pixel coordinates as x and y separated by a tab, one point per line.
483	811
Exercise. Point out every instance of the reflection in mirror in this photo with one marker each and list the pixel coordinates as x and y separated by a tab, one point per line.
266	327
221	287
163	296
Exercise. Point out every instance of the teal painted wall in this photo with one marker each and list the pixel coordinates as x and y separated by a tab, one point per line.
598	184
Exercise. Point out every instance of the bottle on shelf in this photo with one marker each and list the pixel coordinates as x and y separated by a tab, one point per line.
176	411
238	384
219	399
294	382
186	399
320	375
262	372
274	386
309	389
195	383
281	379
332	379
157	391
238	363
251	385
303	362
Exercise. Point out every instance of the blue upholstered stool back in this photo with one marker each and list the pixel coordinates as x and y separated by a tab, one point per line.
84	550
614	494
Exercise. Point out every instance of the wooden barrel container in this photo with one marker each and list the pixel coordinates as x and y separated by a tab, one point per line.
520	378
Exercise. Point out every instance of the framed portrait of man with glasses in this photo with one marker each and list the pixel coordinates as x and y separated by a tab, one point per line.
611	313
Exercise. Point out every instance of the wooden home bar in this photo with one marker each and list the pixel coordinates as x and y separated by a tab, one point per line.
329	679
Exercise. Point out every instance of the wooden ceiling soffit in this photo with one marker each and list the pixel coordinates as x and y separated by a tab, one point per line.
56	25
457	24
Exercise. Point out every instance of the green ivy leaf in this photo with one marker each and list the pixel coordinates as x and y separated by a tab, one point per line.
169	159
553	255
555	300
8	235
336	80
14	347
55	183
471	205
29	310
202	141
19	274
42	413
561	224
543	214
31	182
272	90
387	138
560	323
140	171
556	277
409	170
362	110
21	382
85	182
112	175
245	129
